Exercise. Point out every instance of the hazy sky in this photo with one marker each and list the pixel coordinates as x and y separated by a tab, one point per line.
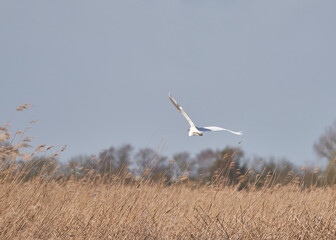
98	73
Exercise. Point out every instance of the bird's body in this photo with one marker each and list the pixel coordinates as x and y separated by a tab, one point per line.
198	131
194	131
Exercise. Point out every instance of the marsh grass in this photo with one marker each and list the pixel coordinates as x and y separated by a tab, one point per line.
51	206
42	209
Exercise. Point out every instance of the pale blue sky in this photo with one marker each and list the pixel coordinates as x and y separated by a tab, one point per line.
98	73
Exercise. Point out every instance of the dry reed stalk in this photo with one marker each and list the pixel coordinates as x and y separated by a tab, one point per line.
50	209
88	208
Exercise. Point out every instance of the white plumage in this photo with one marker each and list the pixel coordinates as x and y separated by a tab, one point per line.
193	130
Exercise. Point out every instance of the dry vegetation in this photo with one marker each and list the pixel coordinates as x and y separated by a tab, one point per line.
111	207
43	209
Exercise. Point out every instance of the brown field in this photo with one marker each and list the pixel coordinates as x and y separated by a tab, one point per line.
43	209
48	206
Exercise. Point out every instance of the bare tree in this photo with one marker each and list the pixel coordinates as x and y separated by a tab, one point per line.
115	160
325	147
228	167
204	160
123	155
107	162
43	166
181	165
78	166
150	164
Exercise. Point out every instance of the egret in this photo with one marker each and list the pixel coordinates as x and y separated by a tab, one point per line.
194	130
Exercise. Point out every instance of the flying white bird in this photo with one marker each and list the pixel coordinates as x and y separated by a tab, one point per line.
193	130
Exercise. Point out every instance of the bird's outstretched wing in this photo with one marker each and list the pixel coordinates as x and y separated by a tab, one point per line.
181	110
213	128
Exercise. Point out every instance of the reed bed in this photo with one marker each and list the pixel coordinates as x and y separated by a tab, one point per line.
42	209
51	206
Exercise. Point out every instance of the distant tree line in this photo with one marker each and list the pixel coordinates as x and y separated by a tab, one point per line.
226	167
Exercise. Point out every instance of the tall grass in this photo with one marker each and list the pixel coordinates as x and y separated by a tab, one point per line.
41	209
55	207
